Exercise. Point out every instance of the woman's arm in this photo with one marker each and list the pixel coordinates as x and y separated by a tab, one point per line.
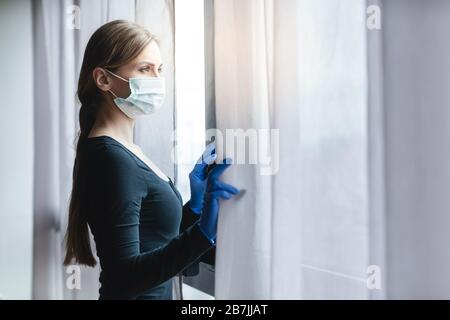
188	219
193	208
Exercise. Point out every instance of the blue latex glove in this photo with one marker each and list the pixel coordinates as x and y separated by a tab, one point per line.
198	176
216	190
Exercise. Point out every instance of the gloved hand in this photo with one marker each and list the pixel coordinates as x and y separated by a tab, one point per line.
197	178
216	190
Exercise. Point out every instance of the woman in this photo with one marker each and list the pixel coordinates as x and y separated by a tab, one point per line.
132	209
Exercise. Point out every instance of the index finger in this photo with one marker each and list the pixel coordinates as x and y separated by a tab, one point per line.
220	168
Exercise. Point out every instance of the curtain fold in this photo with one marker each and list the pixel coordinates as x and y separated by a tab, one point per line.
376	157
242	101
54	137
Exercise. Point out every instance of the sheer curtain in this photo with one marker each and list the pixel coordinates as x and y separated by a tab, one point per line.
300	67
54	133
58	54
359	206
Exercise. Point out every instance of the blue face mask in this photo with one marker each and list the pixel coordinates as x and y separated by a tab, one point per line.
147	96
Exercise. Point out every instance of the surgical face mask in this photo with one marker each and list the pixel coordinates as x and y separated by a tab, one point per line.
147	96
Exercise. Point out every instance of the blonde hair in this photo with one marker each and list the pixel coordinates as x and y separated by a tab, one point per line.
113	45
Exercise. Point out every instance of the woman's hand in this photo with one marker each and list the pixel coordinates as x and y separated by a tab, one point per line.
198	176
216	190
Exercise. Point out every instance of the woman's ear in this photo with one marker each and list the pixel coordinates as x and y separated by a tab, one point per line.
102	79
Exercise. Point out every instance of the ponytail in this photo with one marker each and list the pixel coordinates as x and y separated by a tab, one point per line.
78	245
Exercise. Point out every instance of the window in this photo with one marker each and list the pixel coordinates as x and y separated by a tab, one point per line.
189	88
194	97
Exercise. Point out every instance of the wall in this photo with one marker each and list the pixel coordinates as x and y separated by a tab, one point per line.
16	141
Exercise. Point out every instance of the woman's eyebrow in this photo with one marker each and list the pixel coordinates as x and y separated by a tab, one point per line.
148	62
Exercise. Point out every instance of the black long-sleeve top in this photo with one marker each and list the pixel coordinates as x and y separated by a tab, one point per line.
143	234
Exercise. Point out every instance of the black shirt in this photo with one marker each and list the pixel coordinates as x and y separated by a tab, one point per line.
136	219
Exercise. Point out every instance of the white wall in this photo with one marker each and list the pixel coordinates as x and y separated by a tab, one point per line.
16	143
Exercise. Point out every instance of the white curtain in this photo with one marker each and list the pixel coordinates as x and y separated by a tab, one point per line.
58	56
300	67
54	135
364	168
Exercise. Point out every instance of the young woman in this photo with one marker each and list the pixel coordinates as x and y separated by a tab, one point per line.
132	208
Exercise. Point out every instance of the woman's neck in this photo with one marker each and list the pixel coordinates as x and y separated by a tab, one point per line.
115	124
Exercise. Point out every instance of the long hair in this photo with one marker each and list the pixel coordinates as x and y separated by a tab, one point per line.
113	45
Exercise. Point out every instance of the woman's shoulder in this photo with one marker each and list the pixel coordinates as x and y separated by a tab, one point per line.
107	166
109	152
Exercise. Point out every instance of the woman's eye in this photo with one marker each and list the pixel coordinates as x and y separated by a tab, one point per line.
148	69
